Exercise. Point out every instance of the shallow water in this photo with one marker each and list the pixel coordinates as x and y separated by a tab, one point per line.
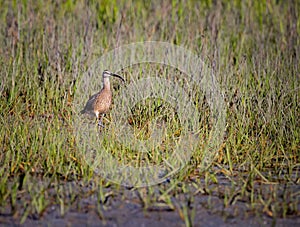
124	207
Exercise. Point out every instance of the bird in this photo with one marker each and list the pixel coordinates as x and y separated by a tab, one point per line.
99	103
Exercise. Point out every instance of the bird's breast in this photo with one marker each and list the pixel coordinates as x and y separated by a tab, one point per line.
104	101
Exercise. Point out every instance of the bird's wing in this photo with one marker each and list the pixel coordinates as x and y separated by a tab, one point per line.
90	103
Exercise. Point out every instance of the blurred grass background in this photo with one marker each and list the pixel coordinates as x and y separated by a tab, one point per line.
253	47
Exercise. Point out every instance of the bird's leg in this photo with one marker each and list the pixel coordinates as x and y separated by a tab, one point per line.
100	121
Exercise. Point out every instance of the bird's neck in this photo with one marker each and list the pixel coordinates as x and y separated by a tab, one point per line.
106	83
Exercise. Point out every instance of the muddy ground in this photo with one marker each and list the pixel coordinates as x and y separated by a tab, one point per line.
126	207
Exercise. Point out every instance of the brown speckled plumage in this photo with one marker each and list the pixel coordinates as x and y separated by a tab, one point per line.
100	102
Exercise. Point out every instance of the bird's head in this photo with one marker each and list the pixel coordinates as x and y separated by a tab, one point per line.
107	74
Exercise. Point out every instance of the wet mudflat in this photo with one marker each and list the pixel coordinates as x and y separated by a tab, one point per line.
192	203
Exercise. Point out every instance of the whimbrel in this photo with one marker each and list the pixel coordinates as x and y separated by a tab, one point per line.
100	102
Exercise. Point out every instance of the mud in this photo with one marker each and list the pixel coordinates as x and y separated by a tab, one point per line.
126	207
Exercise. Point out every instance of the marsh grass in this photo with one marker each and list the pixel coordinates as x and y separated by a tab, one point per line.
253	48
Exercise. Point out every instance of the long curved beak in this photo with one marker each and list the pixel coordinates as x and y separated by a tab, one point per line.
116	75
